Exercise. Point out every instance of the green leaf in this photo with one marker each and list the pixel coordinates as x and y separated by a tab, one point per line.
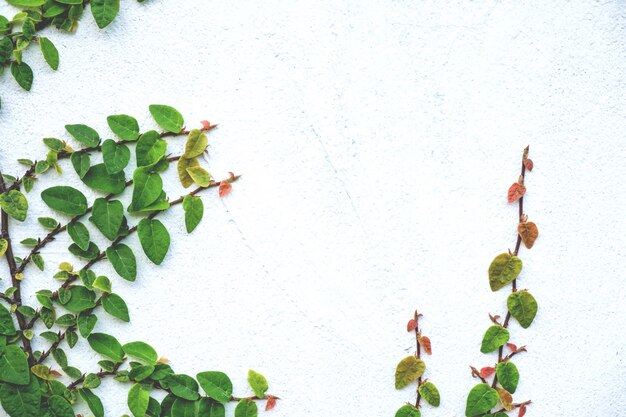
150	148
92	251
106	345
108	217
99	179
54	144
141	351
115	155
246	408
84	134
139	373
7	327
523	307
258	383
86	323
124	126
495	336
81	299
28	29
167	117
79	234
81	163
23	74
93	402
4	244
14	204
102	283
430	393
196	144
203	407
38	261
408	370
138	399
216	385
183	386
59	356
26	3
481	399
21	401
59	407
200	176
50	52
65	199
503	269
154	408
115	306
104	12
508	376
154	238
42	372
14	365
147	188
48	223
408	410
194	210
123	261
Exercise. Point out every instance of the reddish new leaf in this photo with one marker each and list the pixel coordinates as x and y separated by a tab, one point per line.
271	403
528	163
522	410
225	188
528	232
55	373
205	124
516	191
411	325
487	371
424	342
512	346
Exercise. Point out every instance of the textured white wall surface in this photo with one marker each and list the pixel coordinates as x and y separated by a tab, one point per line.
377	140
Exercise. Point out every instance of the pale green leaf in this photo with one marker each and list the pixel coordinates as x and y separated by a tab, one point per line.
503	269
167	117
408	370
523	307
494	337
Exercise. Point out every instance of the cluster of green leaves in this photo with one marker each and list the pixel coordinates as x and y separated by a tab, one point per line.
17	33
411	369
521	305
30	386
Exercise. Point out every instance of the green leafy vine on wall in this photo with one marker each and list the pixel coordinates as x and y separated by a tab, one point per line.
521	305
31	385
19	32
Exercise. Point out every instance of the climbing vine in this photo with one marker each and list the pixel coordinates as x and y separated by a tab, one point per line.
37	377
411	369
521	305
19	32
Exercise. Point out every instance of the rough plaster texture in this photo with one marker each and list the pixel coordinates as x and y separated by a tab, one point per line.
377	141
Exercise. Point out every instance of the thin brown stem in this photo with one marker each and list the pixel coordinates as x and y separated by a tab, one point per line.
100	375
418	352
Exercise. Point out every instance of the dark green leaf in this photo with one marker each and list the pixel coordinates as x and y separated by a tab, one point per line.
71	338
139	373
481	399
54	144
167	117
81	163
50	52
79	234
154	238
246	408
86	323
99	179
147	188
48	223
126	127
183	386
115	155
115	306
93	402
194	210
60	357
104	12
92	251
59	407
23	74
408	410
150	148
508	376
38	261
14	204
107	216
141	351
7	327
216	385
106	345
14	365
21	401
123	261
81	300
523	307
65	199
84	134
495	336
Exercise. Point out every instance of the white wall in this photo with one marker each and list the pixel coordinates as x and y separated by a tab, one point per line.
377	141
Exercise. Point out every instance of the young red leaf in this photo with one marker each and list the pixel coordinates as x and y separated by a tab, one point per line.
424	342
487	371
516	191
512	346
411	325
271	403
205	124
528	232
528	163
224	188
522	410
55	373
